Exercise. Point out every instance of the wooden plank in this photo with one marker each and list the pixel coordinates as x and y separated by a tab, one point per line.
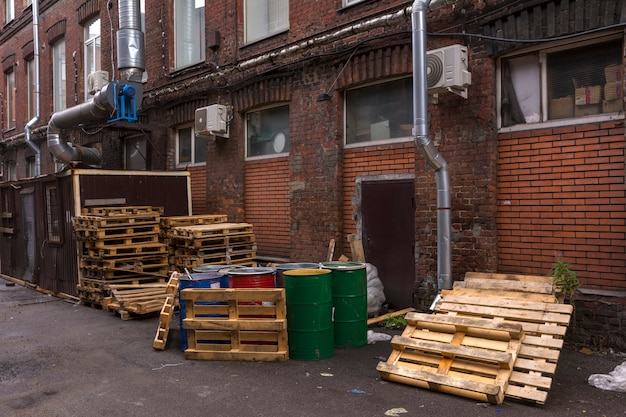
508	303
384	317
522	286
509	277
236	324
513	314
514	329
356	246
459	289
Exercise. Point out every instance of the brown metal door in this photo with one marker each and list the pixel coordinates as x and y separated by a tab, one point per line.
388	209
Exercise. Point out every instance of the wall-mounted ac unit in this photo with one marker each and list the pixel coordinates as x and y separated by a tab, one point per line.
212	121
96	80
446	70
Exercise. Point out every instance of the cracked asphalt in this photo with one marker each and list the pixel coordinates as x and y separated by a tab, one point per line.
60	358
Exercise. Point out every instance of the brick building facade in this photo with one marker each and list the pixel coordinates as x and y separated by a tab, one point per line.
523	190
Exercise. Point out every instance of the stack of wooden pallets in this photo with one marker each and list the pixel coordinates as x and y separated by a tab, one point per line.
492	336
235	324
217	244
123	265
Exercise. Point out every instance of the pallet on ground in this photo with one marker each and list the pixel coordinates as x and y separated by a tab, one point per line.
463	356
235	324
167	310
528	301
211	230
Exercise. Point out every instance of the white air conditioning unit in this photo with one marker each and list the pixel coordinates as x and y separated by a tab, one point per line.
212	121
96	80
446	70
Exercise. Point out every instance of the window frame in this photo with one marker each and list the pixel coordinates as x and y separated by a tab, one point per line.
286	130
9	11
543	52
198	55
92	49
54	231
30	87
10	103
192	145
391	140
247	39
59	76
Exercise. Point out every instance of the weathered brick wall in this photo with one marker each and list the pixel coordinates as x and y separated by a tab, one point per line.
561	193
600	321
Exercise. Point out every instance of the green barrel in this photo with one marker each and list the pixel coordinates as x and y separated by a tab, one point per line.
349	302
308	294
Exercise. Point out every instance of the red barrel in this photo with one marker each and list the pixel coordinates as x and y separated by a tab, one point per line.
252	277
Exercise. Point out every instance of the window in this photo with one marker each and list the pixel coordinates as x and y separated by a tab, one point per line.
31	168
347	3
11	171
52	214
379	112
267	131
10	100
30	87
135	153
190	149
58	75
265	18
9	11
92	51
188	32
561	82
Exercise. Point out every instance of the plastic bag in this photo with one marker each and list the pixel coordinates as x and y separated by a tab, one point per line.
373	337
375	293
614	381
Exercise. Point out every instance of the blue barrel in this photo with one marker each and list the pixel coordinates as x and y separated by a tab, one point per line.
196	280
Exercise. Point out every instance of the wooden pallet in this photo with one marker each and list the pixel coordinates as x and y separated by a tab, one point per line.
247	258
142	264
177	221
165	317
125	250
236	324
528	301
122	211
458	355
216	242
211	230
117	231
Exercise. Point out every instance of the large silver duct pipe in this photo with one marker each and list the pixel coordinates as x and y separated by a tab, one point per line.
426	146
35	119
131	52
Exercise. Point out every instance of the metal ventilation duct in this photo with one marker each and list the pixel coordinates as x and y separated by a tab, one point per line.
130	56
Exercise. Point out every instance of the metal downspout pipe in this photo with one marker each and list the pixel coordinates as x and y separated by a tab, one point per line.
35	119
426	146
131	52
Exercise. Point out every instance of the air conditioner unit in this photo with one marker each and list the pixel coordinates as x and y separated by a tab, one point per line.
96	80
212	121
446	70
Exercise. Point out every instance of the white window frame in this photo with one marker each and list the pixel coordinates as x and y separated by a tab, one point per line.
347	3
406	137
194	139
10	100
30	87
278	143
92	50
265	18
59	80
543	52
9	11
189	33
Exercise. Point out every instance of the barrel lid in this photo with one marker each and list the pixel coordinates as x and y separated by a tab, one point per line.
344	266
199	276
209	268
306	272
296	265
251	271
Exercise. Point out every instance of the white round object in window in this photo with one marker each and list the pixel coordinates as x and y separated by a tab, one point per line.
280	140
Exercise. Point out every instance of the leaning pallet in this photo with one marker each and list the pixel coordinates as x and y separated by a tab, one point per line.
527	301
235	324
167	310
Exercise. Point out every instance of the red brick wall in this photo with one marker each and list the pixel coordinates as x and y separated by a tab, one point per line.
561	192
267	205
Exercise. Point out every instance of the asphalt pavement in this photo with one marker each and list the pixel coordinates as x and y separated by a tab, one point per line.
62	358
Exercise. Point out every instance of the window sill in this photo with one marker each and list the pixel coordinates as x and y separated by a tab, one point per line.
378	142
563	122
190	165
269	156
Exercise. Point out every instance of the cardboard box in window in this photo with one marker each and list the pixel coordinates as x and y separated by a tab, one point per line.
613	90
587	109
612	106
380	130
613	73
588	95
561	108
